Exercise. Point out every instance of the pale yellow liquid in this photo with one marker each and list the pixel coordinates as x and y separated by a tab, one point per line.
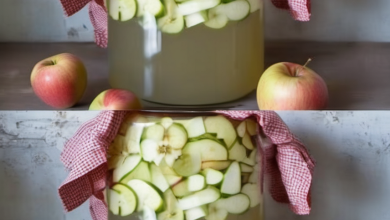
198	66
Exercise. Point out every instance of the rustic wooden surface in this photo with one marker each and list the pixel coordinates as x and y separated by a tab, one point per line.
357	74
351	149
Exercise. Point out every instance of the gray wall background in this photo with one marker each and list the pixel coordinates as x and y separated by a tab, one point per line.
332	20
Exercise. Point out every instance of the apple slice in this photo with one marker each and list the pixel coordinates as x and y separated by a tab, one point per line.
195	18
188	164
195	126
154	7
213	177
203	197
251	125
216	20
157	178
194	6
121	200
147	195
231	183
172	210
246	168
237	152
241	129
115	161
222	127
172	22
176	136
216	165
154	132
253	192
141	172
129	164
196	213
208	149
181	189
251	160
170	175
254	177
122	10
235	10
236	204
247	141
134	133
215	213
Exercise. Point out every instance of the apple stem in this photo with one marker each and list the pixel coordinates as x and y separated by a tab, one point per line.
298	70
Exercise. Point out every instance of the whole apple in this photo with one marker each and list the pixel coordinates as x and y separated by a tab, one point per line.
60	80
290	86
115	99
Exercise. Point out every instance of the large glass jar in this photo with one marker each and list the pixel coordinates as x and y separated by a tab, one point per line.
184	167
186	52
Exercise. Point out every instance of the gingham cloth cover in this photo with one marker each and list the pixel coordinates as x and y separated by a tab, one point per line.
288	164
300	10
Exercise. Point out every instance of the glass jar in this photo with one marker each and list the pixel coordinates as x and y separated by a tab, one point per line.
176	167
193	52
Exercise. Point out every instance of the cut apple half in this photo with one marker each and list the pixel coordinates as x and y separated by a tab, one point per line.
121	200
235	10
222	127
241	129
216	20
172	22
122	10
203	197
251	160
246	168
231	183
147	195
128	165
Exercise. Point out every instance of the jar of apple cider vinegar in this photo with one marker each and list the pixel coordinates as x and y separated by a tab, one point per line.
186	52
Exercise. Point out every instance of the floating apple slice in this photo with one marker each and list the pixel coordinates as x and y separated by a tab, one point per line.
141	172
195	18
154	132
121	200
213	177
208	149
216	20
251	125
203	197
129	164
237	152
136	124
188	164
253	192
176	136
147	195
222	127
246	168
196	213
247	141
122	10
172	22
191	184
236	204
231	183
216	165
172	210
195	126
241	129
215	213
154	7
193	6
235	10
157	178
251	160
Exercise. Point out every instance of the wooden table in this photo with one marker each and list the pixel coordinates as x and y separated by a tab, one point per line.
357	74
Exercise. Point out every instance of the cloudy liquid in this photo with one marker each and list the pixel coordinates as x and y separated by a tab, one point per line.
197	66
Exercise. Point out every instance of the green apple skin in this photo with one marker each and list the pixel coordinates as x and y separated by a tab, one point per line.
60	80
115	99
290	86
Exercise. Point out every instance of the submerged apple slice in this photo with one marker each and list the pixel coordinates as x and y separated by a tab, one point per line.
235	10
241	129
247	141
251	125
203	197
236	204
157	178
251	160
188	164
216	213
176	136
193	6
253	192
216	20
141	172
122	10
216	165
237	152
172	210
209	150
195	126
172	22
213	177
246	168
222	127
128	165
121	200
147	195
231	183
196	213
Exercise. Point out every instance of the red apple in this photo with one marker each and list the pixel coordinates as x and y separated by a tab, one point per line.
115	99
290	86
60	80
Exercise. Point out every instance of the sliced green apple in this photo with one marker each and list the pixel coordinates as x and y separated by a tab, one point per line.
147	195
172	22
154	7
222	127
235	10
237	152
129	164
236	204
215	213
216	165
203	197
241	129
253	192
195	18
141	172
247	141
196	213
121	200
194	126
208	149
231	183
172	210
176	136
251	160
215	19
246	168
122	10
193	6
188	164
191	184
157	178
251	125
213	177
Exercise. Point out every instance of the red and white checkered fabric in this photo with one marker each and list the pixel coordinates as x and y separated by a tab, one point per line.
287	162
299	9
